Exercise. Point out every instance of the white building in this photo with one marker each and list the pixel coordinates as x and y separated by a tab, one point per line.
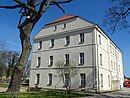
98	58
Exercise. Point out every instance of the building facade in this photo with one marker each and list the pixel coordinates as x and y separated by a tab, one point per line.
97	57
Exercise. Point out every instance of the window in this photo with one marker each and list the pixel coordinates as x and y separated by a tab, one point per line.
111	64
101	59
109	80
40	45
66	59
52	43
100	39
55	28
66	80
37	79
81	58
101	80
81	39
50	80
64	26
67	42
38	61
50	61
110	49
83	80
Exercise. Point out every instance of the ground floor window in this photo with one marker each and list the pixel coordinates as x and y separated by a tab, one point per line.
50	80
37	79
101	80
83	80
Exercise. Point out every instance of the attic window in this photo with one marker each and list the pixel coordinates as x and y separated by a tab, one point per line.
64	26
55	28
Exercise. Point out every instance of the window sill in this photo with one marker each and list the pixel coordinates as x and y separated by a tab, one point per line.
48	84
81	42
37	66
66	45
81	64
50	66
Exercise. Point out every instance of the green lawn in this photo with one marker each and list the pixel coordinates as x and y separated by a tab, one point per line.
49	94
4	85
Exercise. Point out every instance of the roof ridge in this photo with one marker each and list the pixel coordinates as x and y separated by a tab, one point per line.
66	17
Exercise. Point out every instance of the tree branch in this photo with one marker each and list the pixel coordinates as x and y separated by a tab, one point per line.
56	3
11	7
26	6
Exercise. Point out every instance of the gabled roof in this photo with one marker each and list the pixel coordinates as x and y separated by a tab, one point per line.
66	17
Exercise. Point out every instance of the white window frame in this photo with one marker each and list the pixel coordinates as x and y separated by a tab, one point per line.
101	62
38	61
52	42
66	59
39	45
51	60
37	79
67	40
49	79
81	38
99	39
82	80
81	58
101	75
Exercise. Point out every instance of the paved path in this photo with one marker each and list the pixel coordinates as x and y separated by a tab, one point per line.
3	89
124	93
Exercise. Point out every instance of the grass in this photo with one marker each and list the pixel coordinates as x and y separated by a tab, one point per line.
3	85
47	94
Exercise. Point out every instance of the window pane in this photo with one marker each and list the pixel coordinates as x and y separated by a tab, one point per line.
40	45
101	80
50	79
83	80
100	59
81	37
66	79
67	59
37	79
67	40
100	39
81	58
51	61
52	43
39	62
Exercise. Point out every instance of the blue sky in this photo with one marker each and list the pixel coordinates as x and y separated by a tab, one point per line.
93	10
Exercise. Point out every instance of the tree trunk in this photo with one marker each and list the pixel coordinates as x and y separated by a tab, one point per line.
19	69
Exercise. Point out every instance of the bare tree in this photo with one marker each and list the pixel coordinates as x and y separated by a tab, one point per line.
12	57
31	11
66	72
2	58
117	16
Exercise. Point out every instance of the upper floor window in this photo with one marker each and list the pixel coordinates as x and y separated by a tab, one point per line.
51	43
100	59
39	45
111	64
37	79
38	61
67	41
100	39
51	61
81	58
66	59
83	80
110	49
81	38
49	80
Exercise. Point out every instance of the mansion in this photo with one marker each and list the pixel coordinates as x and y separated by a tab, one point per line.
97	57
